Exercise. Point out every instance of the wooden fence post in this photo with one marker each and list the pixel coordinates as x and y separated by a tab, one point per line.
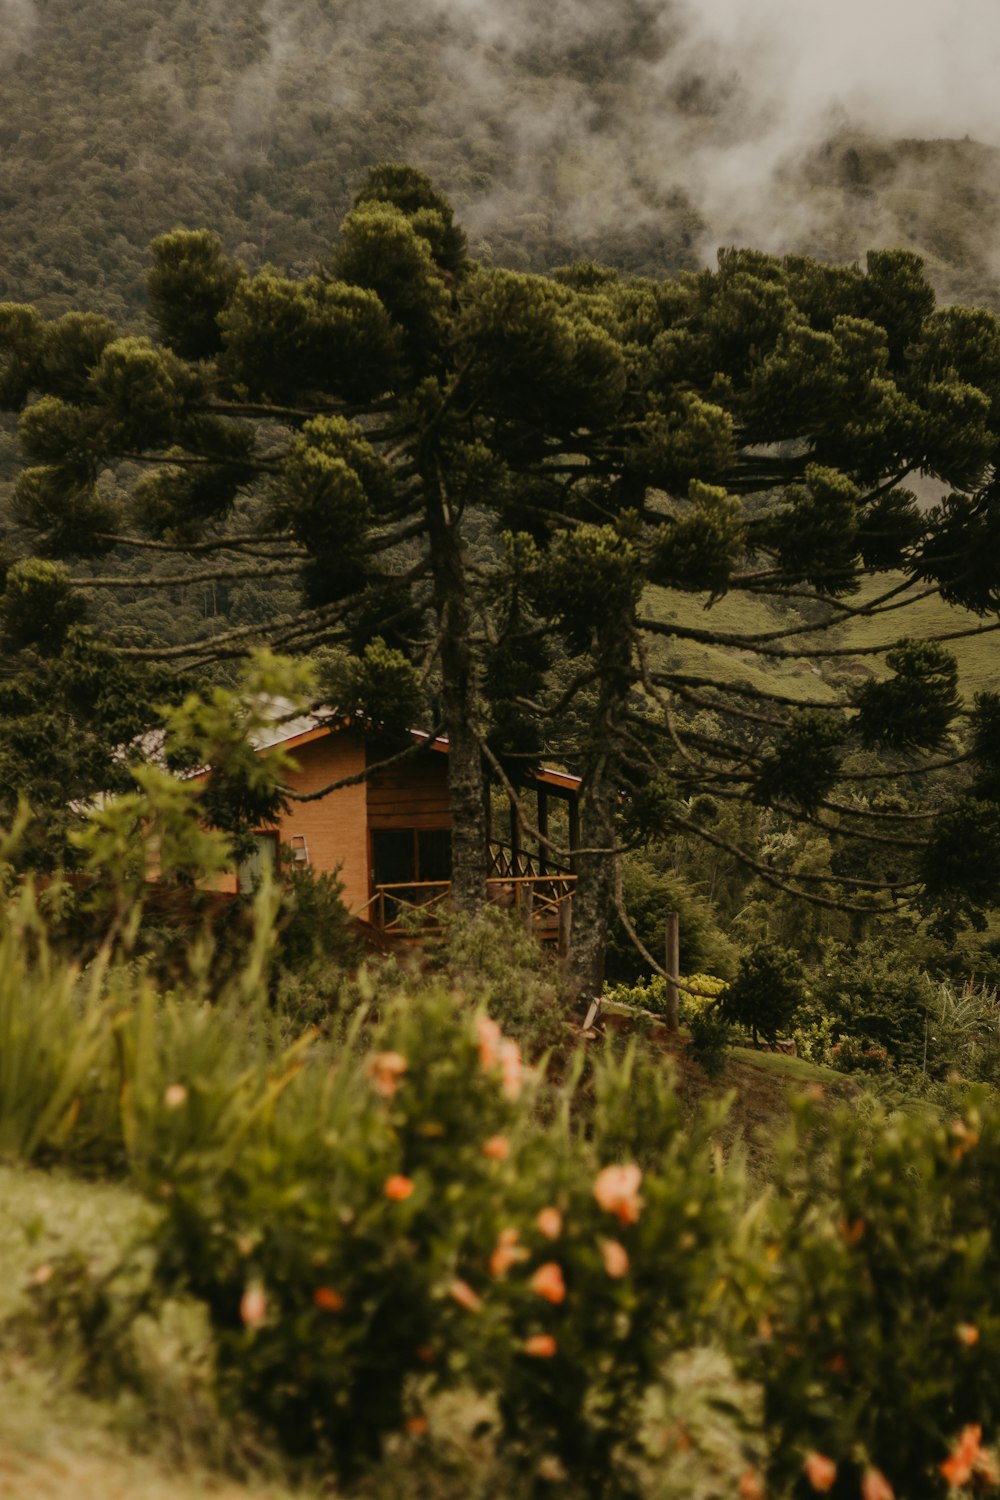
672	964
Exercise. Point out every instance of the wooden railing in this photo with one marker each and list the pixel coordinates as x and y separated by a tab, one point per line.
505	861
413	908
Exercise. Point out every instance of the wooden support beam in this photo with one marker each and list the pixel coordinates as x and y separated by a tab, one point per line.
565	918
515	841
543	829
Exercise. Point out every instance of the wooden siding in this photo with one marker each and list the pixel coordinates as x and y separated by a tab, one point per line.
333	827
411	794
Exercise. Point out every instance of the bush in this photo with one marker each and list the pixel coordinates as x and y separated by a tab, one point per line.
651	889
766	993
879	1003
852	1056
368	1224
699	993
404	1219
711	1036
314	933
876	1314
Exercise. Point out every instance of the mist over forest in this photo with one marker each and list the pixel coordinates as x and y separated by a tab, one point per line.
642	132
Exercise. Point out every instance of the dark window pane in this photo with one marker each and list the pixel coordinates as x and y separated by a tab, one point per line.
393	856
435	853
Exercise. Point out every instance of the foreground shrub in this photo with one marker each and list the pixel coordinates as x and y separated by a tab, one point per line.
369	1224
56	1060
877	1304
400	1219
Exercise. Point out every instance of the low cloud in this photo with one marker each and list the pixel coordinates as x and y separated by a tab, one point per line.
593	121
18	20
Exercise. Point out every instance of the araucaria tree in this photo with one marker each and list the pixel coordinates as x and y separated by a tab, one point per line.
504	489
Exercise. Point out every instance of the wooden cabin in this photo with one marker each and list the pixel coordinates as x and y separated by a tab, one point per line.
387	834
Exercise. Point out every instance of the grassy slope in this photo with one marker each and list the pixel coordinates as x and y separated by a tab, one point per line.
978	656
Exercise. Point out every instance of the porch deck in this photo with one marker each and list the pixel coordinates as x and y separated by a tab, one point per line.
413	909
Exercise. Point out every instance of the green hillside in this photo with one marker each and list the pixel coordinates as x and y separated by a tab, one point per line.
258	119
812	677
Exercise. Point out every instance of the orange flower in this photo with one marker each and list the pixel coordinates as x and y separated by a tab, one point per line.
837	1363
386	1070
512	1072
617	1191
327	1299
417	1426
497	1050
497	1148
175	1095
615	1258
398	1187
549	1223
507	1252
875	1486
821	1471
959	1466
967	1334
963	1139
851	1233
488	1035
465	1296
548	1282
253	1306
540	1346
751	1485
501	1260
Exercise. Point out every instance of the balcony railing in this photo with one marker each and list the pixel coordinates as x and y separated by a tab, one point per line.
506	861
414	908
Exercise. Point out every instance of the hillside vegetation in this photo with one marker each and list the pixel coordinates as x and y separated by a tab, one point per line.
554	138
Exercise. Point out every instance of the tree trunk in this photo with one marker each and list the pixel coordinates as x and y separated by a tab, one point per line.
460	708
598	811
594	883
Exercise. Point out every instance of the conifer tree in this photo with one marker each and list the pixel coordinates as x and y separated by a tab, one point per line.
497	483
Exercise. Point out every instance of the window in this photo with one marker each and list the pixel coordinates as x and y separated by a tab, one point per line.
405	856
263	856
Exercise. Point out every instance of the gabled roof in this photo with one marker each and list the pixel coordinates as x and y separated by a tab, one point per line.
305	728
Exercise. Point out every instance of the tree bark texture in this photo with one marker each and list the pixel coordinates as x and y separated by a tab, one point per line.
460	710
594	883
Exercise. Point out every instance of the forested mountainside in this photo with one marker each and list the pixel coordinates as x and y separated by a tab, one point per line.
568	130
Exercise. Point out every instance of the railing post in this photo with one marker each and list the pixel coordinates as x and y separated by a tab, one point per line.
515	840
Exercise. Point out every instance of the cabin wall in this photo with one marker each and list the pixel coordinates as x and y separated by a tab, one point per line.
334	826
411	794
